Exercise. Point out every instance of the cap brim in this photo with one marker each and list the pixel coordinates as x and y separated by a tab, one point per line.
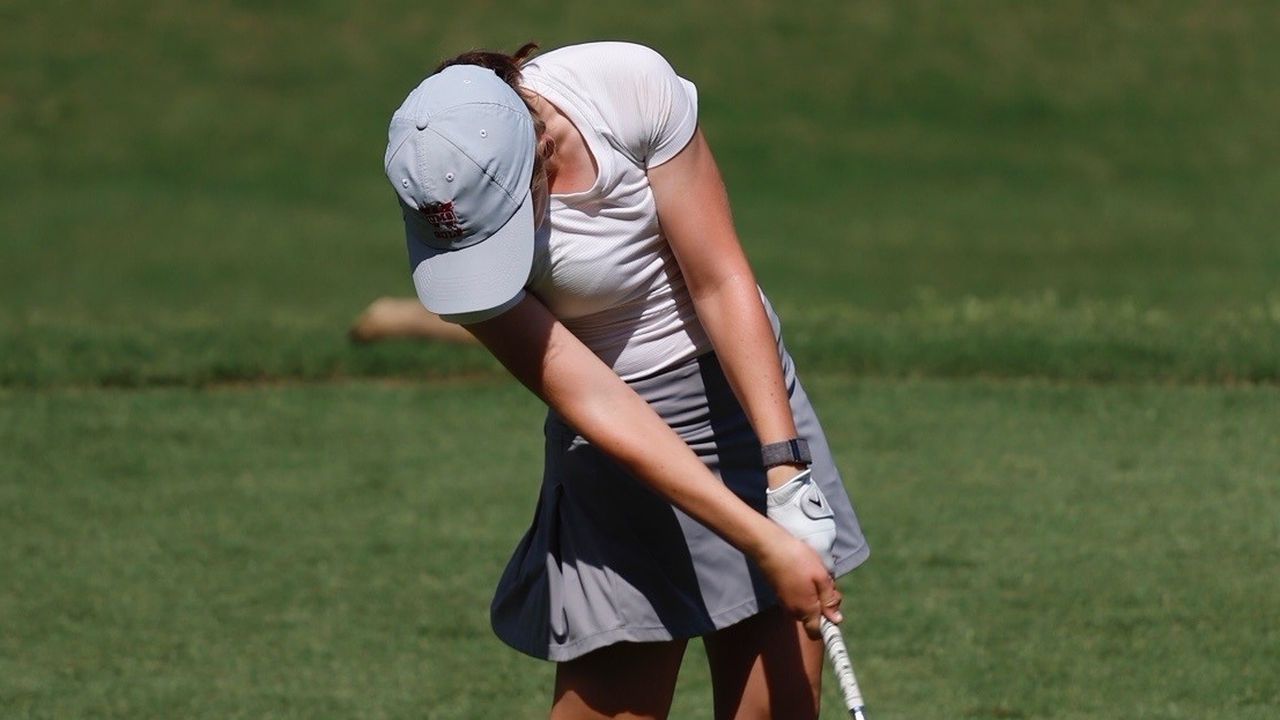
480	277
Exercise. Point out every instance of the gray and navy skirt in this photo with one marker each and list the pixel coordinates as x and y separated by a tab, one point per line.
607	560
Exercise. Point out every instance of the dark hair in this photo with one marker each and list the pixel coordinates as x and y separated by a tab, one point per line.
504	66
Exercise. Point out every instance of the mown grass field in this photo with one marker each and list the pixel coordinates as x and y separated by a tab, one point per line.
1039	551
1027	255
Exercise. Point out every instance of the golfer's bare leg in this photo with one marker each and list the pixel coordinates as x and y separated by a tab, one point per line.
627	680
765	668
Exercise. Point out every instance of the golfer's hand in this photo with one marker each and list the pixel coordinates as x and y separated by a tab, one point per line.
800	507
801	580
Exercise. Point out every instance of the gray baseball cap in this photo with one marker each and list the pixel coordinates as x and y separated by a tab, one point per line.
460	156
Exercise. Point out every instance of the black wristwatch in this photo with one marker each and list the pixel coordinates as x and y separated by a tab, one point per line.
788	452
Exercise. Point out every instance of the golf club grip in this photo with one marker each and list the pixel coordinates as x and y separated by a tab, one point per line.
844	670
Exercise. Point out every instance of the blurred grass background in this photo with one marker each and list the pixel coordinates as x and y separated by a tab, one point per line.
1026	252
192	193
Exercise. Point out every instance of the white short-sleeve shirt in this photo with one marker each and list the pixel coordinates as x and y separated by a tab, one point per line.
602	264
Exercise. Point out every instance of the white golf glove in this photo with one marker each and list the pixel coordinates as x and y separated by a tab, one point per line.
800	507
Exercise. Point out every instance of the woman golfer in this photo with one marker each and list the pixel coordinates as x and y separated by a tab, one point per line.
567	211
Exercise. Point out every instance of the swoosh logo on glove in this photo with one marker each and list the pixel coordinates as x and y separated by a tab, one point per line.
815	505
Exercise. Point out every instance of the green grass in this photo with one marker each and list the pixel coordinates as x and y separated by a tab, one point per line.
195	194
1040	550
1030	250
995	337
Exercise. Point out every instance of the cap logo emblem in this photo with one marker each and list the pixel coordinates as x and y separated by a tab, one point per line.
444	219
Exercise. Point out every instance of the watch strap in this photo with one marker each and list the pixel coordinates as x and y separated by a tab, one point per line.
788	452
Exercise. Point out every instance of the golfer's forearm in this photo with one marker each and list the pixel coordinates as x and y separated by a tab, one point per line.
617	421
541	353
693	208
735	320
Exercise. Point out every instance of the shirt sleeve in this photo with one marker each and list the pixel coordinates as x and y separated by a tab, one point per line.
673	115
652	110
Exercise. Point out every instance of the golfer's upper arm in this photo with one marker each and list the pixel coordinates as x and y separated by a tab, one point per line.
547	358
693	208
522	338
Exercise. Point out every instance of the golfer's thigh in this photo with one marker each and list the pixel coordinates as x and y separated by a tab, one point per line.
765	667
626	680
